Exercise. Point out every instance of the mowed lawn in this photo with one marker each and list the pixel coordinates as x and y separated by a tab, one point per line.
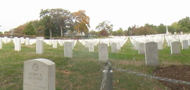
84	71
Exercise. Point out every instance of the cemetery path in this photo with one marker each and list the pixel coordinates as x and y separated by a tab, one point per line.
174	72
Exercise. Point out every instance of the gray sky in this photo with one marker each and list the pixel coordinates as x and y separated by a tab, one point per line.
121	13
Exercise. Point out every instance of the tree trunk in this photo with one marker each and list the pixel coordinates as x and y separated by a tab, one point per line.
61	31
50	33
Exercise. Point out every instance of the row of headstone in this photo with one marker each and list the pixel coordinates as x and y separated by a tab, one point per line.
90	43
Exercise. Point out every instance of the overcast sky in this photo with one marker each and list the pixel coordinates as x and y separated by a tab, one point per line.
121	13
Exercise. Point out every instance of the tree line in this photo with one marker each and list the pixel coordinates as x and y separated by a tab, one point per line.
61	23
182	25
55	23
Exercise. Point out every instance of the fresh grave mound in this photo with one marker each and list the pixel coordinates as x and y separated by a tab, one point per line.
174	72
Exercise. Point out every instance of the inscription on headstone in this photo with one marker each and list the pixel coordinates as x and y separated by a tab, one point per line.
39	74
151	54
175	47
103	52
114	47
68	49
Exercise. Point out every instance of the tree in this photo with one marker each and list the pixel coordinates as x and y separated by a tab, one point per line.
93	33
161	29
29	29
185	22
61	17
120	32
185	29
46	22
82	21
103	33
105	26
175	27
19	29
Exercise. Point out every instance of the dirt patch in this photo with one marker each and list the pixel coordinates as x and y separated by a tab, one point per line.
174	72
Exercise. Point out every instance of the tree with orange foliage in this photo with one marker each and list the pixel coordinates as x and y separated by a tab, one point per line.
82	21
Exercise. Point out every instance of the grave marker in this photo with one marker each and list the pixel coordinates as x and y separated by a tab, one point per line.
151	54
185	44
91	47
39	46
114	47
141	49
39	74
175	47
103	52
68	49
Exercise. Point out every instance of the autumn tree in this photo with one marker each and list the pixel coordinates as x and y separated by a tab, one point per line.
82	21
29	29
19	29
103	33
105	25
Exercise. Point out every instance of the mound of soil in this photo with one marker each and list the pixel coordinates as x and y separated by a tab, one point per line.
174	72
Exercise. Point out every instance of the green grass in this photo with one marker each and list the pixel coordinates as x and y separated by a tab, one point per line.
84	71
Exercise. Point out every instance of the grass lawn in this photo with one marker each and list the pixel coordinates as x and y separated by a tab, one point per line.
83	71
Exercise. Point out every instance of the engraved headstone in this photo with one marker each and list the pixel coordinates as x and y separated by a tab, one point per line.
160	45
118	46
91	47
175	48
54	43
39	46
1	43
86	44
103	52
39	74
114	47
151	54
17	44
68	49
141	48
5	40
185	44
27	41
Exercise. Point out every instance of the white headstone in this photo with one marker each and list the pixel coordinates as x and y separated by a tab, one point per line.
27	41
17	44
86	44
54	43
39	46
175	49
40	38
5	40
151	54
114	47
185	44
141	49
39	74
103	52
1	43
91	47
68	49
160	45
73	44
22	40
